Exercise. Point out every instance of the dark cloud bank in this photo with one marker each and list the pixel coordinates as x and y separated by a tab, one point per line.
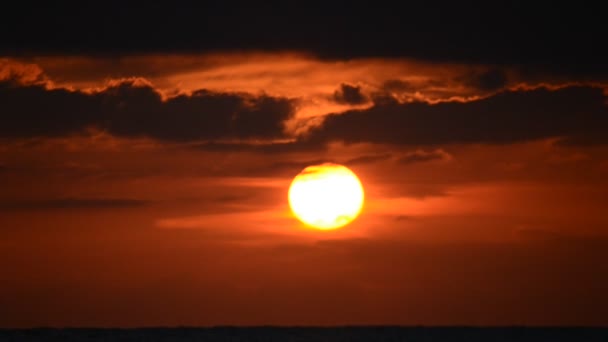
349	94
129	110
576	113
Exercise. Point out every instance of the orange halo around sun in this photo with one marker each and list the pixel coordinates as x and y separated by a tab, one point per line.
326	196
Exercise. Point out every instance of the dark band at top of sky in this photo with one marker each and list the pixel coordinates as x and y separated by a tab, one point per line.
508	32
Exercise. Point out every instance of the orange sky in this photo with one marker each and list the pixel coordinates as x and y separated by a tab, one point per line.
132	226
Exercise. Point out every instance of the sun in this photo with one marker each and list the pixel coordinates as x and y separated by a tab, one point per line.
326	196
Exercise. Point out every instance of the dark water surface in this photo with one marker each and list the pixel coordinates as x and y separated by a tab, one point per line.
293	334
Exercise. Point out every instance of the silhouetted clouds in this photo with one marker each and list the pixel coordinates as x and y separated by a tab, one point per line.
128	109
72	203
349	94
576	112
28	111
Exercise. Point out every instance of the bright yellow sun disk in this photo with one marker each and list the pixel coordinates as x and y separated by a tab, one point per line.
326	196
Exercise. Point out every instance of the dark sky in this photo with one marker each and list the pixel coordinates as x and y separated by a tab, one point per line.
146	153
504	32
